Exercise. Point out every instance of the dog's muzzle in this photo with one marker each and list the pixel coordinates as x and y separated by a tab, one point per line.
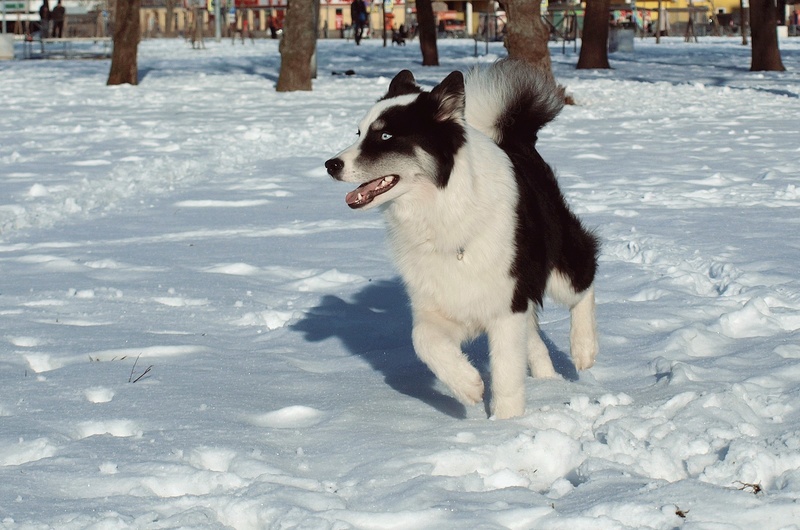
335	167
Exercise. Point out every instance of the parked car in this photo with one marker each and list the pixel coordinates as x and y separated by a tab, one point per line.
452	28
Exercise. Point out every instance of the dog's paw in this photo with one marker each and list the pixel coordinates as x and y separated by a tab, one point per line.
539	357
542	370
505	407
584	354
583	363
469	388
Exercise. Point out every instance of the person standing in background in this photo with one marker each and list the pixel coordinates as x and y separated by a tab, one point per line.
44	20
57	16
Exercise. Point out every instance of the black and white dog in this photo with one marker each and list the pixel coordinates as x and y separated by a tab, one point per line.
478	226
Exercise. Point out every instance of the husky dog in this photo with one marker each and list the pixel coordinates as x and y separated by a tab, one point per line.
479	229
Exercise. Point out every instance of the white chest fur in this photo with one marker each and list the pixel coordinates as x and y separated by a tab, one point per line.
454	246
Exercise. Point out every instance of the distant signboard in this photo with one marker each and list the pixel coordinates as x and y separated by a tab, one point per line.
73	7
239	4
15	7
250	4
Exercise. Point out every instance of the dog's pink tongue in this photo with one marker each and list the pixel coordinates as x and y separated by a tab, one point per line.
362	195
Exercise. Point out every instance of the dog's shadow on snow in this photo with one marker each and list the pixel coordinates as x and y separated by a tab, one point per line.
376	325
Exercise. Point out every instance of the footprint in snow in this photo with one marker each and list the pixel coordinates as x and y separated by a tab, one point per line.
116	428
211	458
98	394
294	417
24	451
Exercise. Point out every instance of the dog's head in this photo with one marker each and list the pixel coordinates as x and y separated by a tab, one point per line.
410	137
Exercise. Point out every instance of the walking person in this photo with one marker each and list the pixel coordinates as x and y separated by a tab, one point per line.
44	20
57	16
358	14
273	29
233	27
198	41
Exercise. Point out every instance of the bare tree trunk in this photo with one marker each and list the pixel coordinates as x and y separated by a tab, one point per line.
297	46
427	33
527	35
765	54
124	68
170	19
594	44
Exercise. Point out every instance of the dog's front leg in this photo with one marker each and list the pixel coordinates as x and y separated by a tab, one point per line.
538	357
437	342
508	337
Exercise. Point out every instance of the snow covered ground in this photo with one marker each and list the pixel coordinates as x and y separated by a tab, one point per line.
196	332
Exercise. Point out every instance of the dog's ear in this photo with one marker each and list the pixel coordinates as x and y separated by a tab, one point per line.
402	84
449	95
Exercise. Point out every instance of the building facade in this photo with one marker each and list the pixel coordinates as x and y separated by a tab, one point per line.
264	18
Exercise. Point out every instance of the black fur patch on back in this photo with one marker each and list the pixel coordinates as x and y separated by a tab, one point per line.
548	235
413	126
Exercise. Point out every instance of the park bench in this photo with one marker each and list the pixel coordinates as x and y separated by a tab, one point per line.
67	47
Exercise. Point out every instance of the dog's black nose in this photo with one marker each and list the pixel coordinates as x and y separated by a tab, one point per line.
334	166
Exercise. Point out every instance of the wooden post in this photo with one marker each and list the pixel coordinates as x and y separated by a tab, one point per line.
742	23
658	26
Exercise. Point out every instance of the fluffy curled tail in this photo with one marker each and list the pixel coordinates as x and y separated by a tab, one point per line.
510	101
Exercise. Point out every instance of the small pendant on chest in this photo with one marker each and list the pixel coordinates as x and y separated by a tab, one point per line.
460	253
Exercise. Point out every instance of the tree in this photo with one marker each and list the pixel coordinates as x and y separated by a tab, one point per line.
170	19
297	46
765	54
527	35
594	43
124	68
427	33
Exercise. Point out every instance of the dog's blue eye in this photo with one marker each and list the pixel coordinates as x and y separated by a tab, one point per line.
385	136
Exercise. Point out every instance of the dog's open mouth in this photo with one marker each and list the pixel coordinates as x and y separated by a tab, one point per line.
367	192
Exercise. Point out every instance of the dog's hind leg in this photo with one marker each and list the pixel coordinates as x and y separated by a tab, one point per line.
538	357
437	342
508	340
583	326
583	331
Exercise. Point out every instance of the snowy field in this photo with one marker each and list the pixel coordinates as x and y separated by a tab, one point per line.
197	332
